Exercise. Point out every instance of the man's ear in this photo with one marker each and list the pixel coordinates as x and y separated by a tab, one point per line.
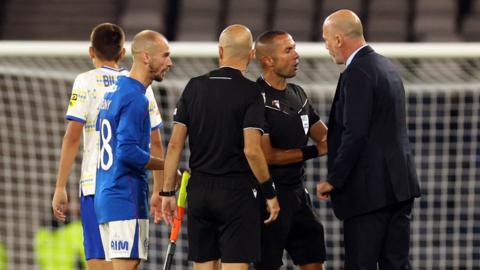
220	52
267	60
91	52
122	54
339	40
146	58
252	54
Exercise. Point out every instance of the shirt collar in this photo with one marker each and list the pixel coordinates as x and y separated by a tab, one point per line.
231	68
137	85
350	58
263	79
114	69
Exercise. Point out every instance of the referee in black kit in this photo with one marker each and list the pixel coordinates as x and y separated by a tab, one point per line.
222	114
289	122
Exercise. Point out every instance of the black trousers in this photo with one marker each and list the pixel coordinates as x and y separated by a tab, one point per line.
379	239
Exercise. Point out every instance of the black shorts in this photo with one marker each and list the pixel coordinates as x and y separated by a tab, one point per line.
297	230
223	220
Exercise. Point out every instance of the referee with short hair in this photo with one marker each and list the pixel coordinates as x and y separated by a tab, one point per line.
290	120
222	113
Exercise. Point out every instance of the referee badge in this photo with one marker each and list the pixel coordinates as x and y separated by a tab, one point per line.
305	123
276	103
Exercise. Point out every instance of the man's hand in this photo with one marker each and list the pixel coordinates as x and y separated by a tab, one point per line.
323	190
156	207
273	208
59	204
169	209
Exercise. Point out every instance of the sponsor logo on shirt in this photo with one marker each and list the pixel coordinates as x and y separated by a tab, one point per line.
78	96
73	100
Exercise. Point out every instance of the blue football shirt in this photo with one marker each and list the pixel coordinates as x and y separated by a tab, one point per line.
124	126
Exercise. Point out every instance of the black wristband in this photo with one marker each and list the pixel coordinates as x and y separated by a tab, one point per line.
268	189
167	193
309	151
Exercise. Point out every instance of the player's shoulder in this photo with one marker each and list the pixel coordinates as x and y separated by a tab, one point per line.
85	76
149	94
114	71
198	79
297	90
93	73
252	87
295	87
127	94
195	83
149	90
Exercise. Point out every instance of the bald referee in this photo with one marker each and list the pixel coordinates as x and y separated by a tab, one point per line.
222	113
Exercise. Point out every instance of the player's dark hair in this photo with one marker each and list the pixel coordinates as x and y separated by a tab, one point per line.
107	39
268	36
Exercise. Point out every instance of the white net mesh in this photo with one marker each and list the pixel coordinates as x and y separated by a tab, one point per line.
443	105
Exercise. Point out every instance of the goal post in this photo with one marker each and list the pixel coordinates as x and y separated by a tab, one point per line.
443	108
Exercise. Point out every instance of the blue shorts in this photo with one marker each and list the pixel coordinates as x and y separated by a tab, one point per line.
92	242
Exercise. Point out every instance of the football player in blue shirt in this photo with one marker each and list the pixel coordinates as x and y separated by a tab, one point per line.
106	51
121	204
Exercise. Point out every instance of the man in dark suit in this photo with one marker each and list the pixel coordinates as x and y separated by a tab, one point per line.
371	175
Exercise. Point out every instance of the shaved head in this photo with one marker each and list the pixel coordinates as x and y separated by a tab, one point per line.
345	22
151	56
343	34
146	40
236	41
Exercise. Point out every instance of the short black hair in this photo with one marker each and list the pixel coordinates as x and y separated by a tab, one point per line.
107	39
268	36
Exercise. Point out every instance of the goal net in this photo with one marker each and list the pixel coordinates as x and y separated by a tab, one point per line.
443	107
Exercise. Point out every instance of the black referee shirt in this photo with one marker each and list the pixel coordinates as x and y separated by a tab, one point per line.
288	118
216	108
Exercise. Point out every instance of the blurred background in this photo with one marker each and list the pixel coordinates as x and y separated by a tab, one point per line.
433	43
202	20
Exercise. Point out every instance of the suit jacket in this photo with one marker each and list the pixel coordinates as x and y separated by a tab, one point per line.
370	163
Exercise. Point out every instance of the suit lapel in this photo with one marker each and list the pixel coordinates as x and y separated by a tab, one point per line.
362	52
332	108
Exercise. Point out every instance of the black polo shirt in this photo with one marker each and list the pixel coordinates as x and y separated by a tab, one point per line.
288	118
216	108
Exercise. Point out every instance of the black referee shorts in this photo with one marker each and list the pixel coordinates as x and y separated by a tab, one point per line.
297	230
223	220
